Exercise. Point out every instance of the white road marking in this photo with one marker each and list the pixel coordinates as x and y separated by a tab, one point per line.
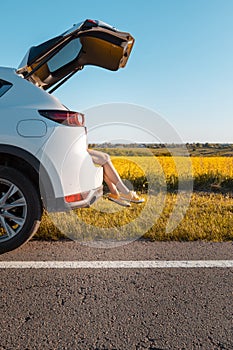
120	264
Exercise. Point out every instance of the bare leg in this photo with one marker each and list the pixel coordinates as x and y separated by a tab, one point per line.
111	176
115	184
113	180
112	188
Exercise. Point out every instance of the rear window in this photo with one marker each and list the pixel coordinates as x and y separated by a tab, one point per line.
66	55
4	86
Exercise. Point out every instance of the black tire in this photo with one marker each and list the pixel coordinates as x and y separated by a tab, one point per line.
20	209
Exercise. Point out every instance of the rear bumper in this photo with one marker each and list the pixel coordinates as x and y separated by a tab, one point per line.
60	205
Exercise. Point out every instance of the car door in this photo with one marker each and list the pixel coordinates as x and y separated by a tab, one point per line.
88	43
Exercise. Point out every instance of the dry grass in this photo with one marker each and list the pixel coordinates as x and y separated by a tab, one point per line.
208	217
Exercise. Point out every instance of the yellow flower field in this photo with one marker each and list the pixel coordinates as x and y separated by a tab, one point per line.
204	171
206	215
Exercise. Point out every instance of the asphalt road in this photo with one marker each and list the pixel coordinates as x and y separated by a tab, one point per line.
159	309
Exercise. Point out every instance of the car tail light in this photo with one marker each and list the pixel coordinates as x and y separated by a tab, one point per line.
64	117
74	198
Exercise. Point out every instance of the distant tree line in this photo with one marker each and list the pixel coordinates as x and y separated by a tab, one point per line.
161	145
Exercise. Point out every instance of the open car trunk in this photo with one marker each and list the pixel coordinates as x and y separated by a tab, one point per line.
88	43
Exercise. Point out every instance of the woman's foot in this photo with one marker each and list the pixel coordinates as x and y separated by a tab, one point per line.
132	197
117	199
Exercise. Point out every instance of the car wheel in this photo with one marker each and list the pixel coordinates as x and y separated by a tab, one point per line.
20	209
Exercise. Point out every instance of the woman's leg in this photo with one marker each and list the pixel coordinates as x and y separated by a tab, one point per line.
111	176
113	180
112	188
115	184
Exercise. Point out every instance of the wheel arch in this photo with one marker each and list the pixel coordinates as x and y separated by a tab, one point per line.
30	166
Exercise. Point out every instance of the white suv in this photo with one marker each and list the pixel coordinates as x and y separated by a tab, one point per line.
44	161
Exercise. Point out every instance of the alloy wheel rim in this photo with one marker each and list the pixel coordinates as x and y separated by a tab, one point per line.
13	210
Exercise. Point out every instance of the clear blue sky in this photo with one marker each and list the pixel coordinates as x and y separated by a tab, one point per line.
181	65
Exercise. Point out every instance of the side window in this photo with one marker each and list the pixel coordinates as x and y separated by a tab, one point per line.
4	87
